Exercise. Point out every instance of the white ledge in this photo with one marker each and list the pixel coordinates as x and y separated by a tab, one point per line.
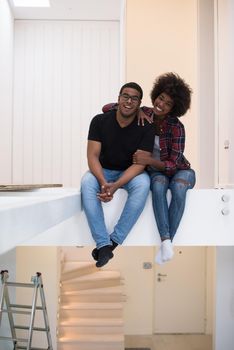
208	220
24	215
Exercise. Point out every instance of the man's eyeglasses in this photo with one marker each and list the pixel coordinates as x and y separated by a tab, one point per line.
126	97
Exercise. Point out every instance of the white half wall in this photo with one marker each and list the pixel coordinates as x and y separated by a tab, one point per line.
208	220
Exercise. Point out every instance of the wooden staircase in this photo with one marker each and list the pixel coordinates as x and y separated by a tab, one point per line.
90	308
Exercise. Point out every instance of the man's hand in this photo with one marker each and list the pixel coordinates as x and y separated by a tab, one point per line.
142	158
107	191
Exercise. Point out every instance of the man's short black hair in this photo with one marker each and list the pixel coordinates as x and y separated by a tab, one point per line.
132	85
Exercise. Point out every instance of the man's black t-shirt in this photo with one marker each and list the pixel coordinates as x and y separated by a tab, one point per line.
119	144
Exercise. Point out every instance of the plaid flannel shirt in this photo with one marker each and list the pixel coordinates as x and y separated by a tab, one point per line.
172	143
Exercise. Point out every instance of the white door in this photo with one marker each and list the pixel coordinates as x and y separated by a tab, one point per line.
180	287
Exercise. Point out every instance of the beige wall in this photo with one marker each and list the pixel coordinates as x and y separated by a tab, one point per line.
161	36
39	259
210	280
138	287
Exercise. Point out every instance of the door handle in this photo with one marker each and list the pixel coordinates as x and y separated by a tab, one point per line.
162	275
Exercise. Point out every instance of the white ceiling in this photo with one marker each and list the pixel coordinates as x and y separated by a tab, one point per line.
72	10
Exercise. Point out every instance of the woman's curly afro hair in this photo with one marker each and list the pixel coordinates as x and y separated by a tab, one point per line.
176	88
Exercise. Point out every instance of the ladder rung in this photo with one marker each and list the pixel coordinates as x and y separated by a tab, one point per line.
25	347
17	312
16	284
25	306
39	329
21	340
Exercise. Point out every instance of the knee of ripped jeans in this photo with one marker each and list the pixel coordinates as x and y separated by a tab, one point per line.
182	183
160	179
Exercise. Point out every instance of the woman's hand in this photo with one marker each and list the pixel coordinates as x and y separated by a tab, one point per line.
141	117
142	158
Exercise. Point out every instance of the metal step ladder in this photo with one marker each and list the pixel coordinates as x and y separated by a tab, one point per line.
10	309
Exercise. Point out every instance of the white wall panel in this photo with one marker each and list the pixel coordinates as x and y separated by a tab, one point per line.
206	94
6	72
64	72
224	299
224	92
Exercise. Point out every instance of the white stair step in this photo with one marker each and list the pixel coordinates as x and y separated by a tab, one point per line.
118	289
76	264
91	306
92	342
89	296
90	284
92	298
65	314
98	322
106	290
72	331
96	275
76	269
90	346
94	338
71	327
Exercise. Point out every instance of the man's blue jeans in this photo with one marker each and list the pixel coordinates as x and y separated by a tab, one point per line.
137	188
168	218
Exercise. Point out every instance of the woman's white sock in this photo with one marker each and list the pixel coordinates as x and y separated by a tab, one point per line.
166	250
158	257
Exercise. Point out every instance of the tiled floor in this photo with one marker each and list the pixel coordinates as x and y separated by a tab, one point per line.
170	342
